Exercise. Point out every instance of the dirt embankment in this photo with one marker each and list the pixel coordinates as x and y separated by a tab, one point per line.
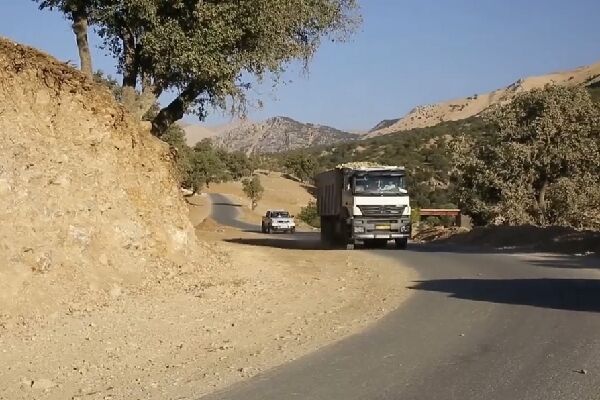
88	202
105	291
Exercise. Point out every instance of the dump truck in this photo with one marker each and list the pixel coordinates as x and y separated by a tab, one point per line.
364	204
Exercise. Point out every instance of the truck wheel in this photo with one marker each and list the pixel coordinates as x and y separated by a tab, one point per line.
293	230
269	229
401	244
262	228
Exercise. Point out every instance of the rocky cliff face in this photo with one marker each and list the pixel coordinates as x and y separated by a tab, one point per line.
279	134
88	201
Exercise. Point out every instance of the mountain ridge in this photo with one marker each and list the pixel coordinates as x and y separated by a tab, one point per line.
428	115
278	134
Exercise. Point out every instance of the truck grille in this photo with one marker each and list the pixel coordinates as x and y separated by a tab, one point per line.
381	210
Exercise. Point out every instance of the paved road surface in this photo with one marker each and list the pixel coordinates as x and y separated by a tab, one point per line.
478	326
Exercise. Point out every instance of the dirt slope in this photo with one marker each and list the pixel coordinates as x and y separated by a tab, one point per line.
88	202
454	110
280	193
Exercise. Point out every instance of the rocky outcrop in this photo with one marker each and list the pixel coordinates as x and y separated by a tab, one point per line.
279	134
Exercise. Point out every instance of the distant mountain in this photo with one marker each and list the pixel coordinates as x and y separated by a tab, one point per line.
195	132
279	134
384	124
455	110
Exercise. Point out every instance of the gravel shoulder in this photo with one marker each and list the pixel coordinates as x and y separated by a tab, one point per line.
260	305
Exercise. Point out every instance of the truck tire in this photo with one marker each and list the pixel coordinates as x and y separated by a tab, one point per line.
262	228
269	229
327	232
293	230
402	244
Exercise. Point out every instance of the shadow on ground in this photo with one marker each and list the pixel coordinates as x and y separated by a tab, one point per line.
300	241
227	204
561	294
551	260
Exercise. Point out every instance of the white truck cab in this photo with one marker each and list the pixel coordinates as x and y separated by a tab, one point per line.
367	204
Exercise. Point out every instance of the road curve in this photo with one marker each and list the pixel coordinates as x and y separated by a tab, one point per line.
478	326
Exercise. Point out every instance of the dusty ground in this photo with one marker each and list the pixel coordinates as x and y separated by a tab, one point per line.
185	336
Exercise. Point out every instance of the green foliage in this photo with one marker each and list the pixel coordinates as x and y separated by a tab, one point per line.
301	165
423	151
253	190
309	215
542	154
207	51
594	90
239	164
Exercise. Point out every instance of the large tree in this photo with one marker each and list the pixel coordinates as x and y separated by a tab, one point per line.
208	51
78	12
542	151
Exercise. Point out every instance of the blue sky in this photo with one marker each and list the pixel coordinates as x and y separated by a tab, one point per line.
407	52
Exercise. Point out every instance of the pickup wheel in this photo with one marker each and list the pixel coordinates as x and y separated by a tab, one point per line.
269	229
293	230
262	227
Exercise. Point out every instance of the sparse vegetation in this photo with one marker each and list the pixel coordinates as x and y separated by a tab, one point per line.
309	215
253	190
301	165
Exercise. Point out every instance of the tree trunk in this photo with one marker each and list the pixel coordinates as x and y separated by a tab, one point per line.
175	110
541	202
130	63
80	28
130	74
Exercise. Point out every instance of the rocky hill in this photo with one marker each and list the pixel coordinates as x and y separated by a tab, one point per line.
279	134
458	109
88	200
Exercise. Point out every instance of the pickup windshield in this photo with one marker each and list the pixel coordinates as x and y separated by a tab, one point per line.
380	184
280	214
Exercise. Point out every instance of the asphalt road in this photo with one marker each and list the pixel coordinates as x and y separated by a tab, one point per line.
477	326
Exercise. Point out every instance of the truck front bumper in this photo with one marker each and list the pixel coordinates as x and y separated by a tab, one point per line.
370	228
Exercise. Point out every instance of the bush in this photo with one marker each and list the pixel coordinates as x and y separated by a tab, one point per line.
309	215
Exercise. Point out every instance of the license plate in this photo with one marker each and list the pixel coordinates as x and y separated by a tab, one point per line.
383	227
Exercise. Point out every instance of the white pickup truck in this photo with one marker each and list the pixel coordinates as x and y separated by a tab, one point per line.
278	221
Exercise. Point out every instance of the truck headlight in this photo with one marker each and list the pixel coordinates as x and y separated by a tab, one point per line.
359	229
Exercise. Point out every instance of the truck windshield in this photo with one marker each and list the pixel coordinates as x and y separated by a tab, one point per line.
379	184
280	214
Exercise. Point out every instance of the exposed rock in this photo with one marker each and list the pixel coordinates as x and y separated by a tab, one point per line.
279	134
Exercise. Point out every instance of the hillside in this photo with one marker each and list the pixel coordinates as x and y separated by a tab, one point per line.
195	133
279	134
88	197
458	109
280	193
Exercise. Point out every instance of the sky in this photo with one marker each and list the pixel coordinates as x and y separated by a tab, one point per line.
406	53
